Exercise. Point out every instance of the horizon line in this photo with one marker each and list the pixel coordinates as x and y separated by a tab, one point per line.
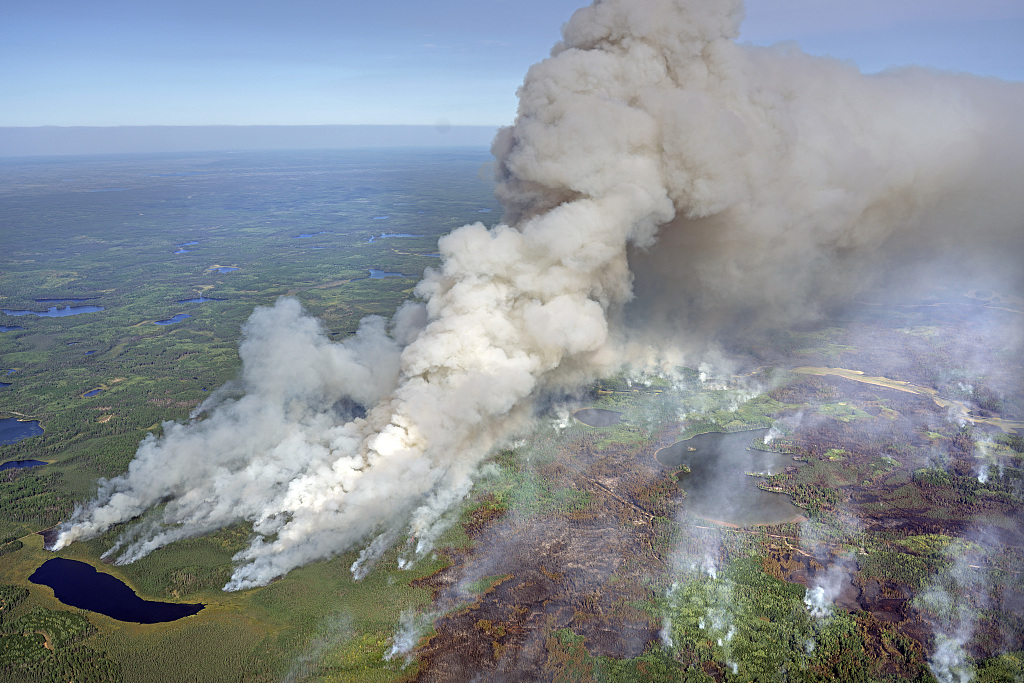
55	140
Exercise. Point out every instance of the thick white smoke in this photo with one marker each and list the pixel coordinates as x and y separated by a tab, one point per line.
768	179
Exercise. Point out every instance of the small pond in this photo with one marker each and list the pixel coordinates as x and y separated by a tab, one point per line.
379	275
170	321
55	312
224	269
20	464
307	235
13	430
198	300
385	235
718	487
92	393
10	328
598	417
80	585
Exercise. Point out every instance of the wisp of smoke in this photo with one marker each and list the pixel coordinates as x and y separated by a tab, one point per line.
411	627
820	597
772	182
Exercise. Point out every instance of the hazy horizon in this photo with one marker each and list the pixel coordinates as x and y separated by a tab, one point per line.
30	141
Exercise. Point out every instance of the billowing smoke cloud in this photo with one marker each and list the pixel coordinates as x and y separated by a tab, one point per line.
771	182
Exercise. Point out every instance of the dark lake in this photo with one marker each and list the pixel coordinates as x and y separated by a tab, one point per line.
182	250
598	417
307	235
4	385
13	430
10	328
79	585
718	487
55	312
170	321
20	464
92	393
224	269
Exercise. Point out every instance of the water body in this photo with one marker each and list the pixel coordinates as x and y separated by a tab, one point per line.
20	464
380	275
89	353
306	235
187	244
54	312
79	585
4	385
198	300
385	235
10	328
381	218
92	393
170	321
225	269
598	417
13	430
183	251
718	487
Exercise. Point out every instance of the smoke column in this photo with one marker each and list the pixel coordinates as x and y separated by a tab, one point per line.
769	183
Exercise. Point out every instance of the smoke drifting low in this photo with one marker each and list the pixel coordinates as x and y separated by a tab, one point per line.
662	183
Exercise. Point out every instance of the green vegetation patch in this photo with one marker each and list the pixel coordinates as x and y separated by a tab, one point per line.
568	661
844	412
45	645
745	625
899	567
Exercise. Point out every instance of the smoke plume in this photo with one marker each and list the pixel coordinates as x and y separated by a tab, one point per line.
662	184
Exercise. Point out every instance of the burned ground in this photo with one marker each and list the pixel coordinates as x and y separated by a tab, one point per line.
597	570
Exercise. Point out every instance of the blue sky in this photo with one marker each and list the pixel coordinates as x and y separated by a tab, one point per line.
204	62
